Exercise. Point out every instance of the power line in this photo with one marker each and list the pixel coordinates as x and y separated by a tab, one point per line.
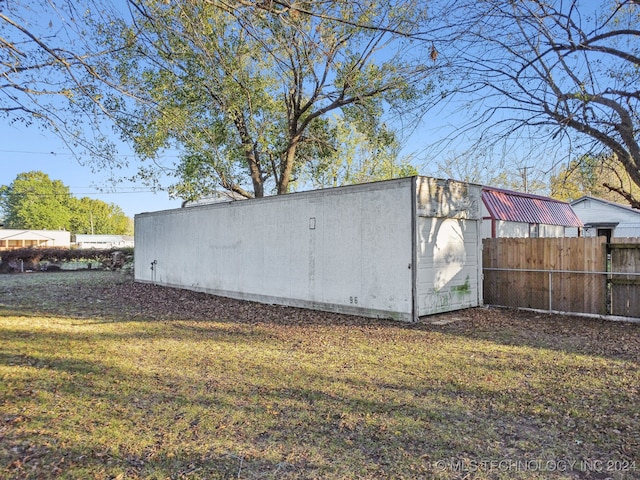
124	189
34	153
37	194
69	154
114	193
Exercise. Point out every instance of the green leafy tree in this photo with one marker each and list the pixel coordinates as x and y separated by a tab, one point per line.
245	91
357	159
593	176
92	216
34	201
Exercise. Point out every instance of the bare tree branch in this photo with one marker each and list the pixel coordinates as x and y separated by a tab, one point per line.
566	73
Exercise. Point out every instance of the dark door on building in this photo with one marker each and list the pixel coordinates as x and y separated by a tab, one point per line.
605	232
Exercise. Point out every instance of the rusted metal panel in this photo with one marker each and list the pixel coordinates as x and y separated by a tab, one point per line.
512	206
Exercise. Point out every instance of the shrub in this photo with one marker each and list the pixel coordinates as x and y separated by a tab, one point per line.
31	258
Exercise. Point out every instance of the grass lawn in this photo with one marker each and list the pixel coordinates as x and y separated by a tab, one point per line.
107	379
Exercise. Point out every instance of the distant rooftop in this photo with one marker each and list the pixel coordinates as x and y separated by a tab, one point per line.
513	206
605	202
215	197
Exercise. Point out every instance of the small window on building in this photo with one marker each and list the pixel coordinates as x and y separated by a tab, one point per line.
534	230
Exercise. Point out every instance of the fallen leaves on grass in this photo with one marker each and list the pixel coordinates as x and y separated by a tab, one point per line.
101	377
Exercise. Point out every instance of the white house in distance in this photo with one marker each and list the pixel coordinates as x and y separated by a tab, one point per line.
397	249
506	213
604	218
103	242
17	238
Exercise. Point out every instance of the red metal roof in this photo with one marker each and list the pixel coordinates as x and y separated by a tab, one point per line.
526	208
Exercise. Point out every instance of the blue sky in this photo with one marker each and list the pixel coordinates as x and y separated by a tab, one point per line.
30	148
25	149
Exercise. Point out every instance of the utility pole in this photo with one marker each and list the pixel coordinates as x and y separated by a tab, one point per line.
524	178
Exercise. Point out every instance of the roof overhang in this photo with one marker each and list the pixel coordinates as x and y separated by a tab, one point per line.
510	206
601	225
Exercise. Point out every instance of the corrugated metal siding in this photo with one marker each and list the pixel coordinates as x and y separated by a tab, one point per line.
521	207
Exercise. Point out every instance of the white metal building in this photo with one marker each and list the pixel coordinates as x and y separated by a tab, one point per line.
397	249
16	238
103	242
604	218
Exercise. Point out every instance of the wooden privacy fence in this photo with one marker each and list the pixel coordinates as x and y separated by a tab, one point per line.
577	275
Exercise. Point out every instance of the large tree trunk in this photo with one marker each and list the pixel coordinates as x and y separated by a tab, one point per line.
251	156
287	167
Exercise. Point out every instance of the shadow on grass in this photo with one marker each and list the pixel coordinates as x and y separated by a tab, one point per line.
176	384
108	297
298	403
69	365
301	432
562	333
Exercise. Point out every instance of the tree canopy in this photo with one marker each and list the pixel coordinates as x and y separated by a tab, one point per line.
256	99
264	97
593	176
49	69
35	201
